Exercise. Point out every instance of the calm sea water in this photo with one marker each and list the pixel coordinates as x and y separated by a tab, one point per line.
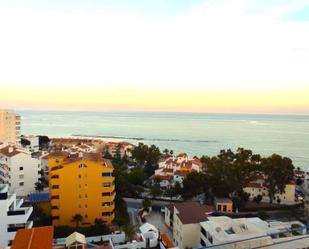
194	133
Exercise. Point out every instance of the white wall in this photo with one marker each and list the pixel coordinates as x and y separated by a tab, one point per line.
29	174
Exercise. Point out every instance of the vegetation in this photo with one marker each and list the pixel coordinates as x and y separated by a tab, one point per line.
99	228
43	142
77	218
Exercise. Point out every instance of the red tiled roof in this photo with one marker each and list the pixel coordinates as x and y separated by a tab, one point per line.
34	238
167	170
166	241
193	212
161	177
6	151
181	173
182	155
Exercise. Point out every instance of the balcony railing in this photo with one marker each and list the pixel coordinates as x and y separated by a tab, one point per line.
21	211
15	228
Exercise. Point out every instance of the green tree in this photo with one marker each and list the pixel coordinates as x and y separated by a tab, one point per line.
156	191
77	218
279	171
147	203
166	152
194	184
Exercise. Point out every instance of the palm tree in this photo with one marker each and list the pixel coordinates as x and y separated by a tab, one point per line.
166	151
99	222
77	218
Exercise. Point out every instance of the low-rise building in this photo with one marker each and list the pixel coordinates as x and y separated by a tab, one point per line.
175	169
120	149
12	215
19	169
90	192
223	205
225	232
42	238
185	224
258	187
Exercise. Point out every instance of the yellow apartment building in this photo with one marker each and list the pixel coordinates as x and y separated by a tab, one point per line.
80	184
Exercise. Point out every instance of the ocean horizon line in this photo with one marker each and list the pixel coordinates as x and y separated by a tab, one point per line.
162	112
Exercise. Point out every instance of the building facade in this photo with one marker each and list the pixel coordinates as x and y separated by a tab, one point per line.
184	220
9	127
225	232
81	184
19	169
12	216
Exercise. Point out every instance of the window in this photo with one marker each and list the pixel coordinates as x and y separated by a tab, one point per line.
107	184
21	168
86	216
107	204
55	186
107	213
79	196
86	196
21	176
82	166
219	208
79	176
21	184
86	206
107	194
106	174
224	208
86	186
79	206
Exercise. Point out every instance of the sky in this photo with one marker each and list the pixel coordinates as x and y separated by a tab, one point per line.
234	56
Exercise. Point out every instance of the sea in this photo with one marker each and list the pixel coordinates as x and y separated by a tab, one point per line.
194	133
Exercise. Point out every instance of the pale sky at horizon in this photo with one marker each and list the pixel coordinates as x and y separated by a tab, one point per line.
247	56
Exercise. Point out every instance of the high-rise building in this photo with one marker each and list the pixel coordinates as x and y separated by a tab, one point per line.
19	169
9	127
12	215
80	185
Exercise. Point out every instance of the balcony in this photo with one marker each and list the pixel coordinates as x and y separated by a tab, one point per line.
108	208
108	189
108	179
56	167
19	202
109	198
20	215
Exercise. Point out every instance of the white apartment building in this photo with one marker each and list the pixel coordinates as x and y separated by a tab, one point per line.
12	216
19	169
184	220
224	232
9	127
258	187
123	148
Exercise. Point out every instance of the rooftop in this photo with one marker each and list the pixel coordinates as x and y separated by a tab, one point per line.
34	238
9	151
193	212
